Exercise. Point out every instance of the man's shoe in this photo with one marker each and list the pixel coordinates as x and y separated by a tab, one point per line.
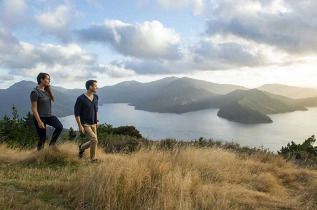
81	152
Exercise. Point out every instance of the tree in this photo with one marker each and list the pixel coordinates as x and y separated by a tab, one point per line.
72	134
300	151
18	132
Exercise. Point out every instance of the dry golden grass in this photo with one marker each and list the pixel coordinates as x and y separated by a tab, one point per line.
153	179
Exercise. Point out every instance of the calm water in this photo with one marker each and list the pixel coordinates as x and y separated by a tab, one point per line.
295	126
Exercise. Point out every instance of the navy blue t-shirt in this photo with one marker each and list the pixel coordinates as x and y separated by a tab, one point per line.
86	109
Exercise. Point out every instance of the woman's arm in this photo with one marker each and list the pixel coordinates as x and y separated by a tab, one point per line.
36	114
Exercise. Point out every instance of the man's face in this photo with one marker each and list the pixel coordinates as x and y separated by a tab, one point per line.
94	87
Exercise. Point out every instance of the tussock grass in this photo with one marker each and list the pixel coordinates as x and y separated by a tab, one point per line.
187	178
57	156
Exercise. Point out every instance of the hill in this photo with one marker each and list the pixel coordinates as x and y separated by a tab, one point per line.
239	112
167	95
132	92
19	96
289	91
188	178
247	106
251	106
175	98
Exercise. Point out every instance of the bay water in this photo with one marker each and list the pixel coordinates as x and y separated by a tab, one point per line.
294	126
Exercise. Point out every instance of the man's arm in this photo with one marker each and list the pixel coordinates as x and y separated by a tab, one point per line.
77	109
97	111
80	126
97	119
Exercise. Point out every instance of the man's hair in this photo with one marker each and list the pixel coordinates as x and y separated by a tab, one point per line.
90	83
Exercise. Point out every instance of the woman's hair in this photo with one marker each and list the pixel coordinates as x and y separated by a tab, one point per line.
47	88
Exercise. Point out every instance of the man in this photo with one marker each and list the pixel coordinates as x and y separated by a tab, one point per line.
86	113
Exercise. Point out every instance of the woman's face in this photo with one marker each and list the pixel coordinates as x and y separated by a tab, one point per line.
46	81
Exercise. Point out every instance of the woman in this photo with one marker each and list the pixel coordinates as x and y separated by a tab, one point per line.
41	98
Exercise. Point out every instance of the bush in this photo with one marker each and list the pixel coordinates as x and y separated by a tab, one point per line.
300	151
72	134
167	144
122	130
202	142
18	132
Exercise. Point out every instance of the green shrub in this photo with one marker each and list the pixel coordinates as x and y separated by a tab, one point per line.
122	130
303	151
18	132
71	134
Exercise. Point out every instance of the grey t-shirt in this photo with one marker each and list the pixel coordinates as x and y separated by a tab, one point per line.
43	99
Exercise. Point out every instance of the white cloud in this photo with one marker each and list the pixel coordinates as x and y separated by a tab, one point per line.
22	58
287	25
240	34
4	78
145	40
65	63
50	55
14	7
13	12
115	71
9	44
58	21
197	6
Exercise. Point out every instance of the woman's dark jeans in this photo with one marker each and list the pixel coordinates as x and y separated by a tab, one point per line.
52	121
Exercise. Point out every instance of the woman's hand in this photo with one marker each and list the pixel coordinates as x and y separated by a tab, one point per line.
41	124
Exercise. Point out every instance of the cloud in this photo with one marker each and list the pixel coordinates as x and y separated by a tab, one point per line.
9	44
198	6
207	55
65	63
147	67
231	53
58	21
13	12
4	78
95	3
50	55
212	55
239	34
51	17
287	25
115	71
22	58
144	40
142	3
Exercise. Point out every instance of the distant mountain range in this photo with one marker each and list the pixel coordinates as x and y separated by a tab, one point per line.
175	95
289	91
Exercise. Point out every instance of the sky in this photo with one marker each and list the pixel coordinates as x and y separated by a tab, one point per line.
243	42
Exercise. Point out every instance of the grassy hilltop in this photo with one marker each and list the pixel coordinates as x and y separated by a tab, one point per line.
153	178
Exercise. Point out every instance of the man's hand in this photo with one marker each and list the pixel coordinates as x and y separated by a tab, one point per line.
81	129
41	124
